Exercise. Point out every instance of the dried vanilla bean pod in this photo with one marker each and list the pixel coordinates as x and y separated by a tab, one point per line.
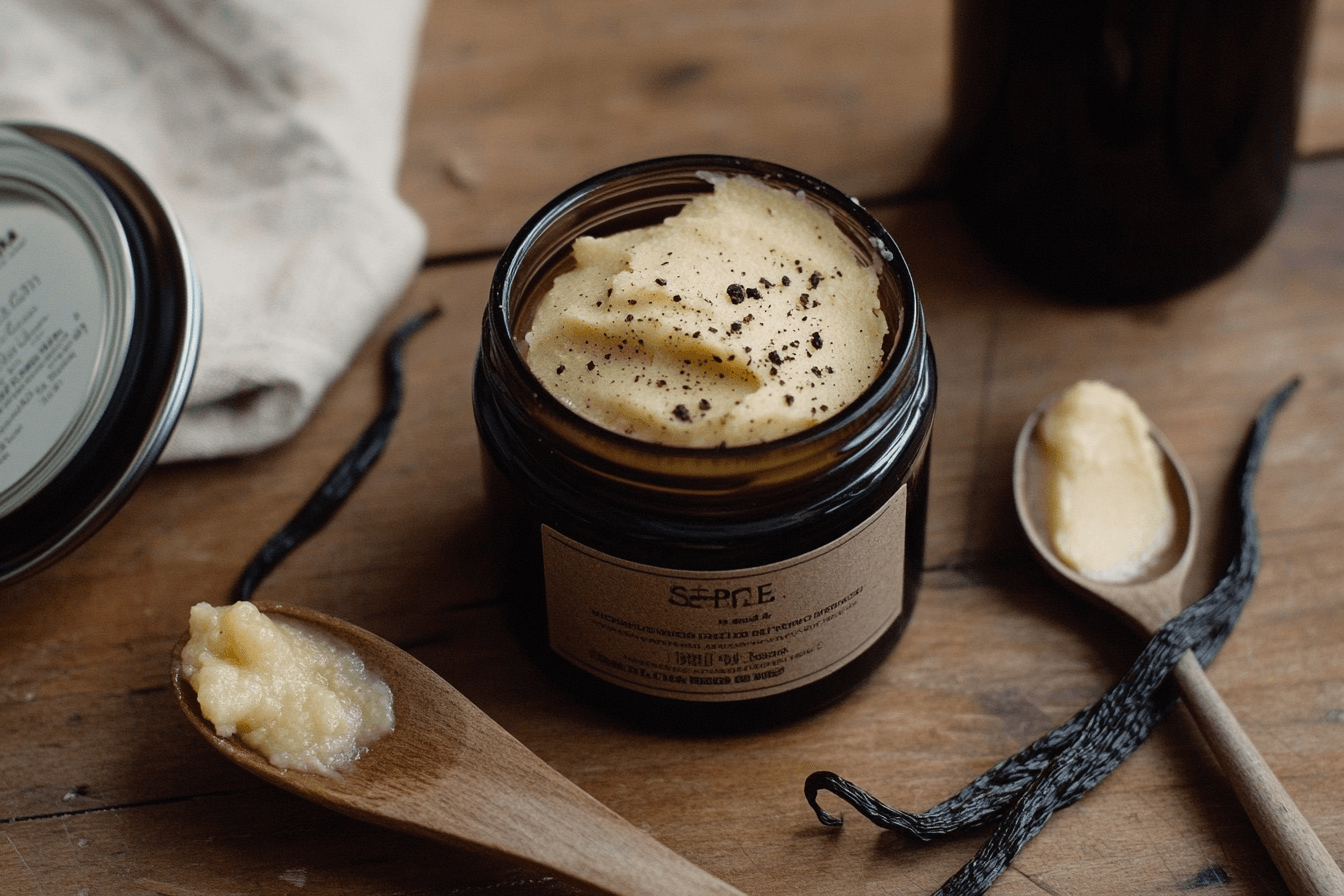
1024	791
318	510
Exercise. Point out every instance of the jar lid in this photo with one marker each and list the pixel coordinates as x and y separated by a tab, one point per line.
100	317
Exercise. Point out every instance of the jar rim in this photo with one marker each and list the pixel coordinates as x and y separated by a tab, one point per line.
907	322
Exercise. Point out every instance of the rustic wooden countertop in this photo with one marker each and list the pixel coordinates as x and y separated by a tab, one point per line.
105	789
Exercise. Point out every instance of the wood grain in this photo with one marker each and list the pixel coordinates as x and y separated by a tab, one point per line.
514	102
104	787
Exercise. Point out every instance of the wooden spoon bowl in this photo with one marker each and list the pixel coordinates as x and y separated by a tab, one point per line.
1147	602
449	772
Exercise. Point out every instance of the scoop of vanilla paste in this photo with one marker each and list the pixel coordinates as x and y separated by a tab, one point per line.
1110	513
300	698
745	317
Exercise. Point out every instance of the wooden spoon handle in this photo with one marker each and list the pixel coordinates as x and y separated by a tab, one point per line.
1302	859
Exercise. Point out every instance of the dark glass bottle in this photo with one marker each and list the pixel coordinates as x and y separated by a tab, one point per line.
1118	150
653	578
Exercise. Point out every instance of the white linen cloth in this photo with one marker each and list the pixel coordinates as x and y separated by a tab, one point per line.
273	130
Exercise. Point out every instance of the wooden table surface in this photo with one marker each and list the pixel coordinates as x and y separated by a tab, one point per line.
104	788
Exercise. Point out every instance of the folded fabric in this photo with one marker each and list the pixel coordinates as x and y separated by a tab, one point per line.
273	130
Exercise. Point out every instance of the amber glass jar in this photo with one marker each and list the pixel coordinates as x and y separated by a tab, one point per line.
704	588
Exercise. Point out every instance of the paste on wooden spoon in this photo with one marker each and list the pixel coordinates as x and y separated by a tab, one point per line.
1110	512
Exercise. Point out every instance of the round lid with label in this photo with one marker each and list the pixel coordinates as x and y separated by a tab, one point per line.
99	330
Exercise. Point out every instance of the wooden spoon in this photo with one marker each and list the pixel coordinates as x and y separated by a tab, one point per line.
1147	602
450	773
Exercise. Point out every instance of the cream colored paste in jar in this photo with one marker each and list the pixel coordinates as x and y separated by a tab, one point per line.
1110	512
300	698
744	318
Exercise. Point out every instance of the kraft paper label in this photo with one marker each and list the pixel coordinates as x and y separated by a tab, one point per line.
726	635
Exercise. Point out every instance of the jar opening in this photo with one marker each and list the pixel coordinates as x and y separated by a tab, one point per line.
647	193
